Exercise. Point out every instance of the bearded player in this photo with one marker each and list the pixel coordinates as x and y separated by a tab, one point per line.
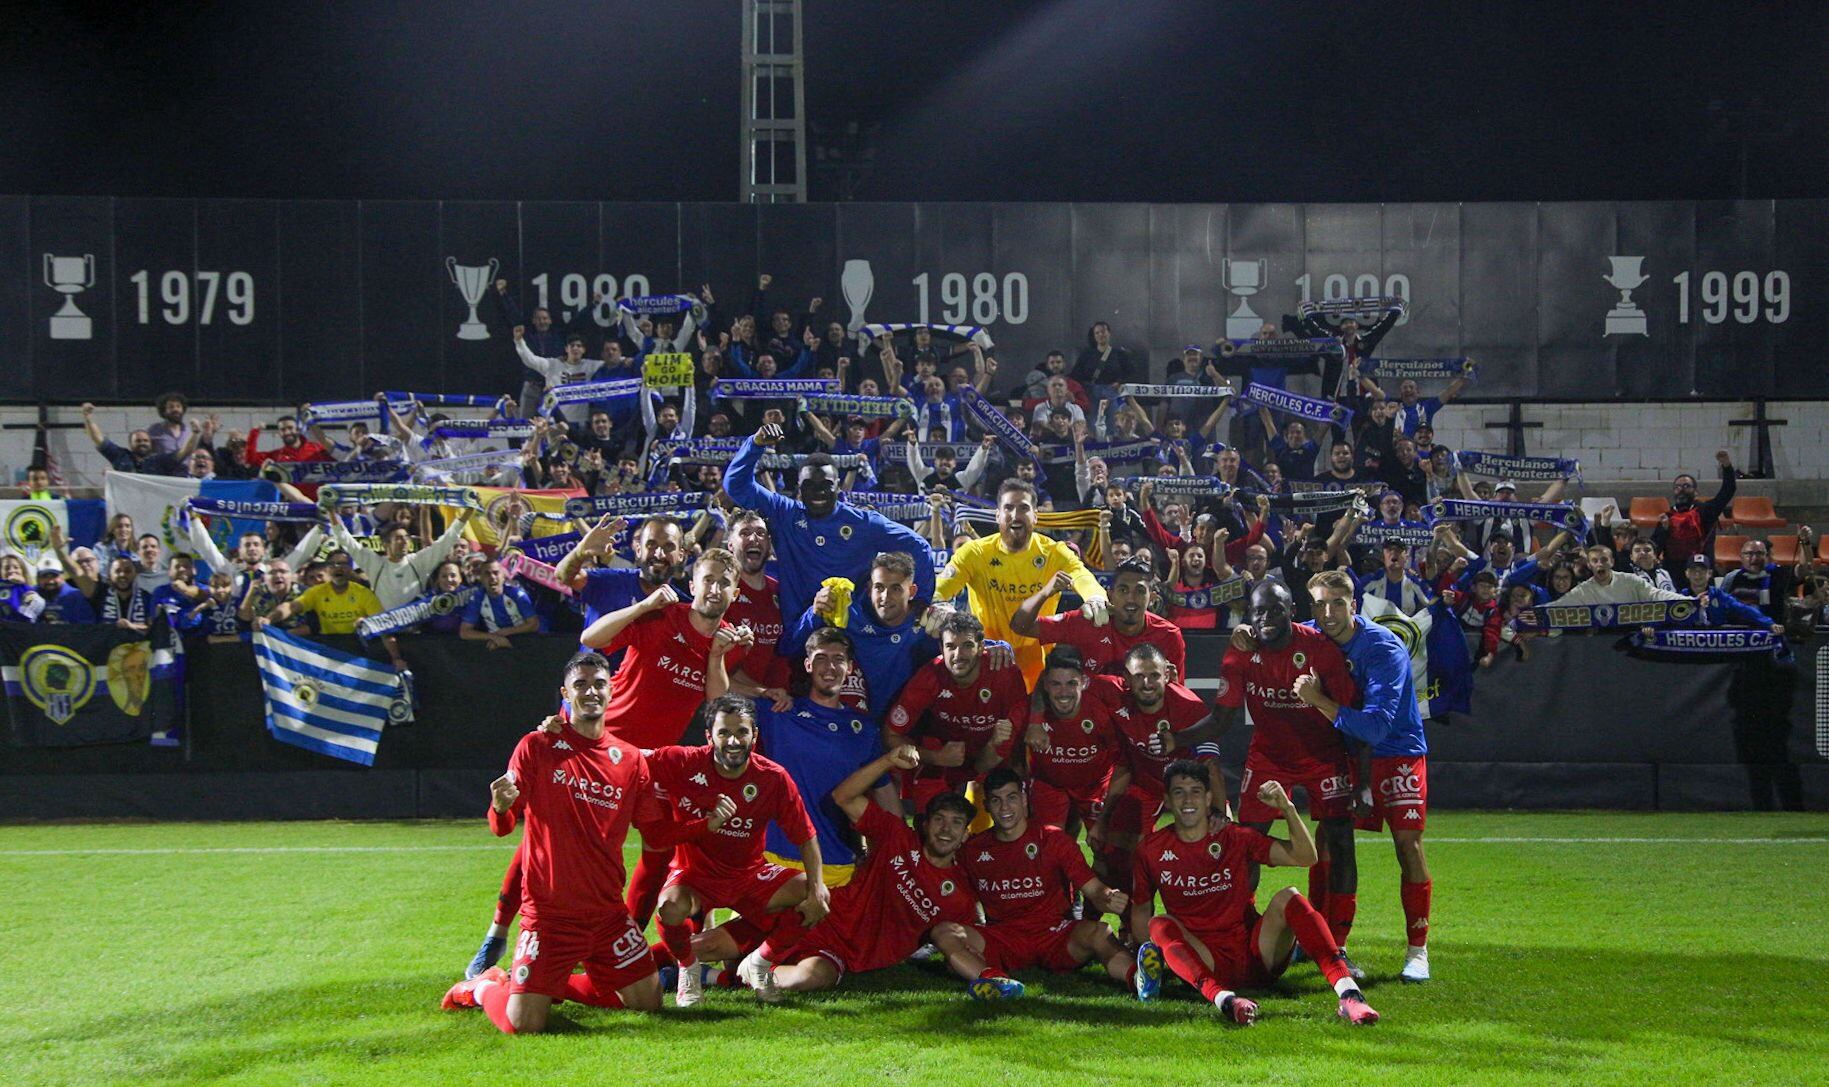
906	887
1210	932
1102	648
959	711
1391	723
579	791
725	868
1026	875
758	599
1292	743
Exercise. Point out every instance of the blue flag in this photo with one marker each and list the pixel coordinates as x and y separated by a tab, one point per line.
326	701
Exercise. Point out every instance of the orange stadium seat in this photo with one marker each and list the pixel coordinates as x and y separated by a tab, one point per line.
1755	511
1646	511
1784	549
1727	550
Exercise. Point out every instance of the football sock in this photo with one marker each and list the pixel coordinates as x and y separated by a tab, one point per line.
1313	937
1183	959
1317	884
508	902
1416	911
646	884
581	988
992	972
678	939
493	996
1339	914
663	957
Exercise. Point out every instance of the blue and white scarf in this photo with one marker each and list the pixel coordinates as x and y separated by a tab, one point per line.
395	620
1711	641
308	472
1558	515
345	411
484	428
1419	369
621	388
370	494
1365	306
302	513
1130	452
1310	504
1176	392
446	400
657	305
1286	348
680	503
965	332
993	421
1411	533
896	507
1305	407
1190	486
1649	613
870	407
1509	467
484	465
550	549
773	388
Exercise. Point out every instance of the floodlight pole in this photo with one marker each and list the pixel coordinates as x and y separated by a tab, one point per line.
774	104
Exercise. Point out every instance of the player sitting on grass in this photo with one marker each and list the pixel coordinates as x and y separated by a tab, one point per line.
1210	933
1026	875
907	886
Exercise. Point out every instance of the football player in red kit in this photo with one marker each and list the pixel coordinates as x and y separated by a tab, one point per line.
757	604
1210	932
580	790
1102	648
1292	743
909	884
1071	744
959	712
726	868
1026	875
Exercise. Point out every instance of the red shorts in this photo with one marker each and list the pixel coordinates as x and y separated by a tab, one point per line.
1400	794
1236	962
1330	789
613	951
823	942
1133	813
1022	947
1051	805
748	896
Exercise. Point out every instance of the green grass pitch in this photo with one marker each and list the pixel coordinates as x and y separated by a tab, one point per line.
1582	948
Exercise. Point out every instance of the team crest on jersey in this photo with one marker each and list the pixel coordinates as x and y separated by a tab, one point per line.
857	727
1031	850
1213	850
984	694
844	531
1220	688
831	726
947	887
1299	659
749	791
1087	726
896	638
520	974
616	755
1041	561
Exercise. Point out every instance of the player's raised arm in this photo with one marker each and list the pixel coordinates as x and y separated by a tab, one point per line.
1299	850
853	794
1026	618
604	631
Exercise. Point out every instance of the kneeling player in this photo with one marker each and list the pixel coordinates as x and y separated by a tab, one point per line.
725	868
579	790
1025	875
1210	932
907	886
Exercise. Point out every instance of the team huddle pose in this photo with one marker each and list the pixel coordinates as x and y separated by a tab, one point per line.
795	817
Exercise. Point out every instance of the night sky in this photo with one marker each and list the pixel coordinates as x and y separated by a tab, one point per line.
988	100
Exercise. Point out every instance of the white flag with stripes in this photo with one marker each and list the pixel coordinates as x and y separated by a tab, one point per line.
326	701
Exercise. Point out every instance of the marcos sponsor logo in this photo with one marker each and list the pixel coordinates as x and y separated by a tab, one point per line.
589	790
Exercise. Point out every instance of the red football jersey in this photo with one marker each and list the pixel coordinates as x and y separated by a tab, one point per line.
1181	708
1102	649
1029	881
1287	731
896	895
934	707
579	798
690	784
761	609
1205	884
1084	746
661	682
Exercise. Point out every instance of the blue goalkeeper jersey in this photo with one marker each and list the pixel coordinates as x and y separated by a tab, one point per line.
1390	720
819	748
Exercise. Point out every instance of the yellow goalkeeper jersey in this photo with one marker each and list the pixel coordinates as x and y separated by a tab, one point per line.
999	580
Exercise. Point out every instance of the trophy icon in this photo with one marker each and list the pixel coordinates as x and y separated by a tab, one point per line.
858	283
472	280
1626	318
1244	278
70	276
